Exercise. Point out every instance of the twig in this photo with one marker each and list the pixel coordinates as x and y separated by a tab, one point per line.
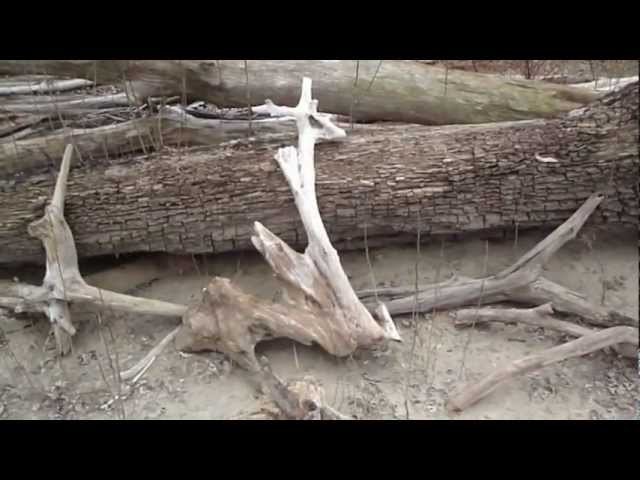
149	358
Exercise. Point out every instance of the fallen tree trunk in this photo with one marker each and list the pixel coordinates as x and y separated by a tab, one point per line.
402	91
457	178
172	126
43	86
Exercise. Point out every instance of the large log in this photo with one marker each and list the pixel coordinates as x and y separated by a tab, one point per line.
402	91
457	178
172	126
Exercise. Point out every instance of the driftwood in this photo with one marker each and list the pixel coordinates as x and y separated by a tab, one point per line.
539	292
62	282
521	281
298	400
172	126
402	91
461	179
576	348
63	105
320	305
43	86
541	316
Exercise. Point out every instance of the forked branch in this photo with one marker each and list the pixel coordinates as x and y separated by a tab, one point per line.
321	305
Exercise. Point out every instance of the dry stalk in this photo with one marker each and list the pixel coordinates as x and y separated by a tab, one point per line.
480	298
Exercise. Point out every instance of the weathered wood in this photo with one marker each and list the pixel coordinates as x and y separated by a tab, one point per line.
170	127
62	282
459	178
298	400
464	291
44	86
539	292
576	348
321	306
540	316
403	91
70	104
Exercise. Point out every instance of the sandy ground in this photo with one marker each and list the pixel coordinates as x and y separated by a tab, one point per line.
408	380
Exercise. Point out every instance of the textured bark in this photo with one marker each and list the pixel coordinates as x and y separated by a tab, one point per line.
458	178
403	91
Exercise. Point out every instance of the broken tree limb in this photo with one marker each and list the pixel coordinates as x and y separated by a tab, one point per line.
539	292
170	127
298	400
321	306
403	91
62	281
576	348
44	86
567	301
63	105
455	293
462	179
541	316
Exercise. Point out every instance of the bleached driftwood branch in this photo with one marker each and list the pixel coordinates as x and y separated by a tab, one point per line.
321	306
62	282
44	86
541	316
576	348
520	283
63	105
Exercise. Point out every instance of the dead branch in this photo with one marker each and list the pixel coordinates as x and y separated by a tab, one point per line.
576	348
567	301
541	316
298	400
520	283
64	105
171	126
539	292
454	293
45	86
321	305
63	283
139	368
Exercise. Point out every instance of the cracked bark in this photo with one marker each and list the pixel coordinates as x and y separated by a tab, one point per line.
462	179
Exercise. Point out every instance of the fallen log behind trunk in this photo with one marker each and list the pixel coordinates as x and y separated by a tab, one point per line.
170	127
401	91
458	178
